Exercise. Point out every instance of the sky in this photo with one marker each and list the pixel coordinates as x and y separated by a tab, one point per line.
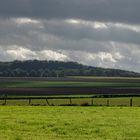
102	33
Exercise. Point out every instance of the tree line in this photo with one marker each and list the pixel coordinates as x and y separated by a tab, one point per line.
36	68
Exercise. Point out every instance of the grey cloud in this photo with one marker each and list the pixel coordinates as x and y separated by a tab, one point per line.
127	61
98	10
3	54
59	35
34	38
77	32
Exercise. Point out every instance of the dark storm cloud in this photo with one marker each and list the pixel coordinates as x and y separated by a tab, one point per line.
100	10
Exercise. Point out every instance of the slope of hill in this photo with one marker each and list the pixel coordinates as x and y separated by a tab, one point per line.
36	68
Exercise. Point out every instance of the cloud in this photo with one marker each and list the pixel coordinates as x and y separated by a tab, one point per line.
52	55
21	21
125	11
98	31
66	35
17	52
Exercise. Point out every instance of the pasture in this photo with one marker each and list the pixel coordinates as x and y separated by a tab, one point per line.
69	123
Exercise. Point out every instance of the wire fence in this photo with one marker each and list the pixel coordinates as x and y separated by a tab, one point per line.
100	100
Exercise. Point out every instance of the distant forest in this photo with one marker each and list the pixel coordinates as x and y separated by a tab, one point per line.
36	68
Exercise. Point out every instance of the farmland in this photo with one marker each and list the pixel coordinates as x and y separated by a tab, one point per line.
98	91
70	108
69	123
47	84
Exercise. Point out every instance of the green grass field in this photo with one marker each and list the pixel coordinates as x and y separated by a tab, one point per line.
69	123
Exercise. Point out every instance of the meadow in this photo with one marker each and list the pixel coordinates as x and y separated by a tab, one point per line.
69	123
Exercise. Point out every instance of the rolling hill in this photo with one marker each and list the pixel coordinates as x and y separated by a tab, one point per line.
36	68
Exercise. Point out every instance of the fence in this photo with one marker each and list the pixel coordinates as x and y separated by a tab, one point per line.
100	100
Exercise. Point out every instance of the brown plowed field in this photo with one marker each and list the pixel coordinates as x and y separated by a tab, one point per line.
63	79
64	91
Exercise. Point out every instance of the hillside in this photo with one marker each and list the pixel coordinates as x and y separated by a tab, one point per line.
36	68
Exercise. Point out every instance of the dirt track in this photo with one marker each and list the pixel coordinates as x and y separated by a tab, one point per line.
64	91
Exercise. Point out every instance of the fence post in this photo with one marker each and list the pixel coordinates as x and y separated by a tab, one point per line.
131	102
70	101
107	102
91	101
47	102
29	101
5	100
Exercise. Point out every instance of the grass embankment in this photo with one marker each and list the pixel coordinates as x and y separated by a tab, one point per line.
46	84
69	123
